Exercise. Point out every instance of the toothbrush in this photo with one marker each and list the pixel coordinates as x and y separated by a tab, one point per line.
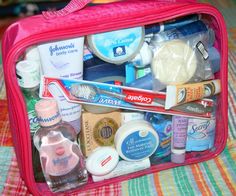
92	93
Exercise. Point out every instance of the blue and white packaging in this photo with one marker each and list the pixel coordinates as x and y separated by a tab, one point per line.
163	126
117	46
200	134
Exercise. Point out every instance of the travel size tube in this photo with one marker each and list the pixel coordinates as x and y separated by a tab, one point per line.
179	94
178	139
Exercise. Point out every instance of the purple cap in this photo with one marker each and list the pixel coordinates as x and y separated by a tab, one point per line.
177	158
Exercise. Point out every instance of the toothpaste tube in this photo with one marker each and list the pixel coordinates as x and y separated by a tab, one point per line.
179	94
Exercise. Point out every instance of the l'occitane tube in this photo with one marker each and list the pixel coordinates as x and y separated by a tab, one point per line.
179	94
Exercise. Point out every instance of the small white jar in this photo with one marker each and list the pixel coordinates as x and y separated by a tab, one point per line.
136	140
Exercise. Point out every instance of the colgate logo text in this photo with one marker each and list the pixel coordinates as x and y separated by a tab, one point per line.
139	98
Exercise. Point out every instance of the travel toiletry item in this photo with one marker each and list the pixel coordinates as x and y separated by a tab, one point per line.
94	71
145	82
163	126
117	46
200	134
179	94
214	59
141	72
101	94
124	168
180	59
32	54
136	140
130	72
28	76
87	55
211	67
143	57
175	62
61	160
64	59
172	24
62	165
86	20
98	130
178	139
127	116
102	161
195	28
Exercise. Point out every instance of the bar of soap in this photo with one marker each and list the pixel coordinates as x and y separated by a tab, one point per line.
174	63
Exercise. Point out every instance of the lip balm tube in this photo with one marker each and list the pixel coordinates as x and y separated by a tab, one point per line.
178	140
179	94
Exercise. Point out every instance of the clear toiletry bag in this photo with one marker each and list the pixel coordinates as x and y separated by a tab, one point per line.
111	45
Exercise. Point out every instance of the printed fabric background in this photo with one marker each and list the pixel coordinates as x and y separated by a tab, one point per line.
214	177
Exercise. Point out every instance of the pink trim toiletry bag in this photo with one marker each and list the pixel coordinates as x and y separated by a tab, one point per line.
77	19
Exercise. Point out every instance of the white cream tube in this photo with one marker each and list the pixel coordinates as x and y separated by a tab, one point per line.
179	94
64	59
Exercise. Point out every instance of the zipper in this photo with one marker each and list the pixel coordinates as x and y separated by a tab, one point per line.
137	20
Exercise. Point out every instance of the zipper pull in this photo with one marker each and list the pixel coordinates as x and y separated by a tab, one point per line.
72	6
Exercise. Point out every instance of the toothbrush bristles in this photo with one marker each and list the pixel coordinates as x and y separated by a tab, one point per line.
83	91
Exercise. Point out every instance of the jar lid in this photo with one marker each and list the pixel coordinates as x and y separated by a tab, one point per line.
47	112
102	161
28	73
136	140
117	46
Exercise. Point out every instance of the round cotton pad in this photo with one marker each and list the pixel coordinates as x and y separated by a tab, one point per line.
174	62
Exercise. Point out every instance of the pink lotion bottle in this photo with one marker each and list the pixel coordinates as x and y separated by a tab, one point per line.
60	156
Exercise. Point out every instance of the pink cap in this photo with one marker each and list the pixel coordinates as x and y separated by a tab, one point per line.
47	112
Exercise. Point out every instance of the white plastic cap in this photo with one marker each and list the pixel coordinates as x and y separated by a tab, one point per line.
146	54
28	73
32	53
102	161
144	57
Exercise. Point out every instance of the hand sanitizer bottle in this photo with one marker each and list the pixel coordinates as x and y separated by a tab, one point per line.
60	156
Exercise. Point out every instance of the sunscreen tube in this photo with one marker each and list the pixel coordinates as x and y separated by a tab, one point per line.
178	140
123	168
179	94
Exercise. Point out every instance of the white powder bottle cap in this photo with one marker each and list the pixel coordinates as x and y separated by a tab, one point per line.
28	73
102	161
174	63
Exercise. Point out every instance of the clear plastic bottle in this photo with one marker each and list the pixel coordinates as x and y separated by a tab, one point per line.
28	76
60	156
